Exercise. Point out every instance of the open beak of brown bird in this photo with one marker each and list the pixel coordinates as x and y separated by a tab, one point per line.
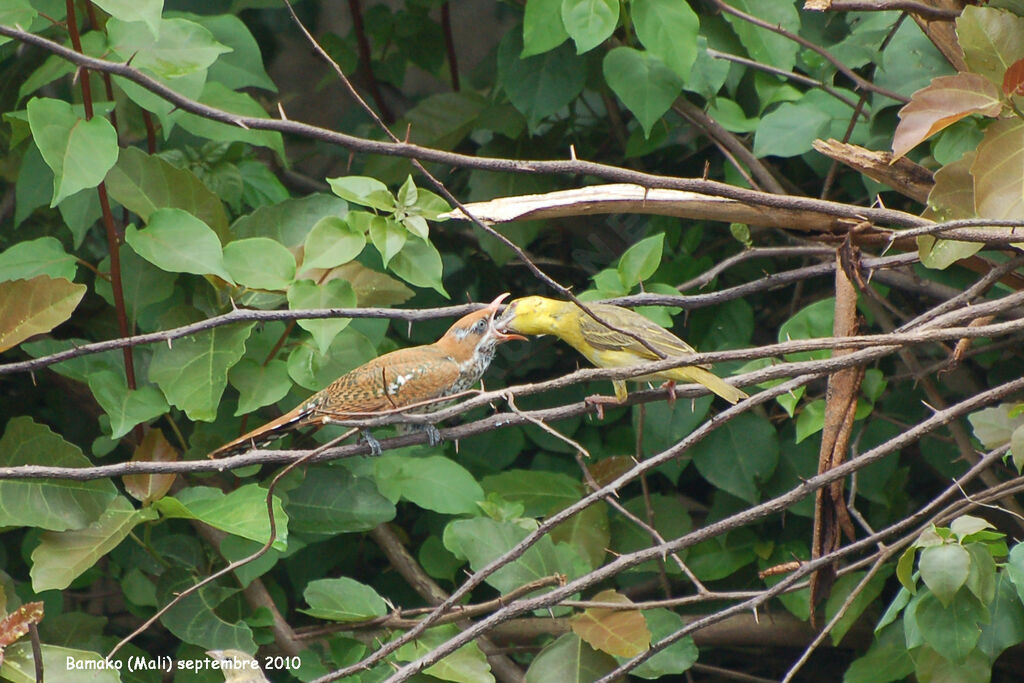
499	324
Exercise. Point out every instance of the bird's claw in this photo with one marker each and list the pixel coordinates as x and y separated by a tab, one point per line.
599	401
433	435
374	445
671	386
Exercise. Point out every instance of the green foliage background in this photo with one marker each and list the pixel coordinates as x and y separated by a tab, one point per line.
205	217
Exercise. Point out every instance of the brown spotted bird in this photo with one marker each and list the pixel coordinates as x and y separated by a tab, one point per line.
606	348
396	380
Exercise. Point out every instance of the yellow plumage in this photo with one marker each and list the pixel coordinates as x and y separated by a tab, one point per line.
607	348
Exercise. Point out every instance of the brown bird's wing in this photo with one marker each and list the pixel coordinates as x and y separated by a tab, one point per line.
394	380
605	339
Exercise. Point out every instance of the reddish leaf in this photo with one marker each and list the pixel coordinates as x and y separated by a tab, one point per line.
1013	79
947	100
146	488
622	633
16	624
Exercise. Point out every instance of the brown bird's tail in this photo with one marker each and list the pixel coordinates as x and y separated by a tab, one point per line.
709	379
264	434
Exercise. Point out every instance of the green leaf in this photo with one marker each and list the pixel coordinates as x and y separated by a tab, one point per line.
542	27
42	256
79	152
589	22
995	426
731	116
146	11
242	67
763	45
387	234
865	599
290	221
811	420
587	533
541	85
19	664
1015	568
221	97
260	263
342	599
331	243
668	29
666	423
182	46
419	264
708	74
669	517
953	630
63	556
330	500
143	183
905	569
468	664
481	540
810	322
991	41
641	260
981	580
143	283
193	619
364	191
31	307
944	568
569	659
541	493
1017	448
886	660
674	659
965	525
643	82
194	371
178	242
777	136
125	408
331	294
234	548
433	483
259	385
16	13
53	504
242	512
1006	624
739	456
314	370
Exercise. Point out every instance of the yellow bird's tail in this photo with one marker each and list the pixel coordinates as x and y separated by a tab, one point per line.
709	379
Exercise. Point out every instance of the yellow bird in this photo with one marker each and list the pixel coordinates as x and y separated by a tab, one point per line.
607	348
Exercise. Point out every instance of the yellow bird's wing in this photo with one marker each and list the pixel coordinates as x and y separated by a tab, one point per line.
605	339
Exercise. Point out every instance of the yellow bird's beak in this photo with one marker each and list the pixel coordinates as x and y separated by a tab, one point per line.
499	324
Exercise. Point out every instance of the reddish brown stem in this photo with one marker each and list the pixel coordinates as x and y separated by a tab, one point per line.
113	239
355	8
449	44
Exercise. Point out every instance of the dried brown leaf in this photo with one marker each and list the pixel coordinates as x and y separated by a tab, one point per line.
147	488
947	100
622	633
30	307
16	624
998	171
